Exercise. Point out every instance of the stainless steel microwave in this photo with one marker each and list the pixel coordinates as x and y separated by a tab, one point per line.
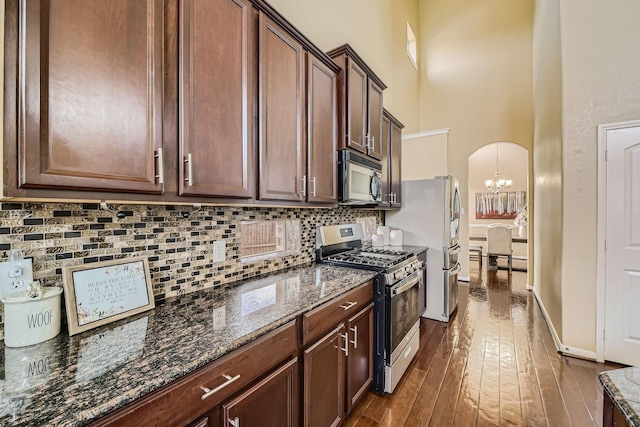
359	179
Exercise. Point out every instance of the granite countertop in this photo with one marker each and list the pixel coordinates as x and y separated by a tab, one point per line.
623	386
70	381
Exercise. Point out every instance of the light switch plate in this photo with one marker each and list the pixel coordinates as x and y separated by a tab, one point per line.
219	251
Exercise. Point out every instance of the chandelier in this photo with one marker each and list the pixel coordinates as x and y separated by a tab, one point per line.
497	184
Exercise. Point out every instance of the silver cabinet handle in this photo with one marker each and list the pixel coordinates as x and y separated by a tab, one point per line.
208	392
304	185
348	305
312	181
160	166
235	422
189	177
373	143
355	337
346	343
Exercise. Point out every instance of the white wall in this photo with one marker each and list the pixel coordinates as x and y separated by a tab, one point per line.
547	164
377	31
601	84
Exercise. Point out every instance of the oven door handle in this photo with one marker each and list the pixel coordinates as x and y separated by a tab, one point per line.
403	287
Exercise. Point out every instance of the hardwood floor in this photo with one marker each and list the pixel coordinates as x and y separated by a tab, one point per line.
495	364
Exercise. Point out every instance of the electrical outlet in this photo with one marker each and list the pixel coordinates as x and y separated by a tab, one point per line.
219	251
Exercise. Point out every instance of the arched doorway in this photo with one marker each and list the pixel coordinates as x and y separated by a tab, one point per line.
511	162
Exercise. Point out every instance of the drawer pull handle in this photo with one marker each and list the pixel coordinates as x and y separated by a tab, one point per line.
355	337
160	166
313	181
303	191
189	163
208	392
346	343
348	305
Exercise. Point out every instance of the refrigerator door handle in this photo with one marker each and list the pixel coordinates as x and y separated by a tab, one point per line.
455	270
454	251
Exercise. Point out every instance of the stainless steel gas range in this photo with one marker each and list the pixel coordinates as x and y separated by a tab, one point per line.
396	297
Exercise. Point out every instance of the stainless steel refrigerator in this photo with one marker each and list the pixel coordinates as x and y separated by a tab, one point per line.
430	216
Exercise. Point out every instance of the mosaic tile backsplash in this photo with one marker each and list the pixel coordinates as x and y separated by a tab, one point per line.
179	249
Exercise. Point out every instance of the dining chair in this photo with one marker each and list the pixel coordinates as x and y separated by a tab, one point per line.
499	243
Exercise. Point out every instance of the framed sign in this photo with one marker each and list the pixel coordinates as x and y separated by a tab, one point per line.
103	292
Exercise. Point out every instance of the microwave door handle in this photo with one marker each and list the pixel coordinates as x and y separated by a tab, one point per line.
374	186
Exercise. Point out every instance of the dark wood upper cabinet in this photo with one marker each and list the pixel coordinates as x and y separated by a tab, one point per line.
216	97
166	101
356	110
87	110
386	163
322	131
361	103
396	162
282	152
391	161
376	137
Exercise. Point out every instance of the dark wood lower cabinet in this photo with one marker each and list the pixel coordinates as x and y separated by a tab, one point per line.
611	415
324	379
360	358
272	402
338	366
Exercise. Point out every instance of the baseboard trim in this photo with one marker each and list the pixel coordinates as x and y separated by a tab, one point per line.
464	279
561	348
547	319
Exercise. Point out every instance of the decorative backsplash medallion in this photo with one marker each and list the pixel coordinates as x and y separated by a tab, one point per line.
179	249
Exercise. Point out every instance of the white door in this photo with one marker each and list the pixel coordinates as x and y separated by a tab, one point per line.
622	270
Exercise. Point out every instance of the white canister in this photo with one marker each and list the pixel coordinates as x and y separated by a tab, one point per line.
395	237
377	240
30	321
384	230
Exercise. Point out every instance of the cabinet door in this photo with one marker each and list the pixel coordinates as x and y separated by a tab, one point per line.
273	402
90	94
281	148
322	131
376	135
386	162
356	106
216	98
324	378
396	161
360	359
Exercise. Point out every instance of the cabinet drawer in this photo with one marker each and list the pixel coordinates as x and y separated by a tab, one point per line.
320	320
181	401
